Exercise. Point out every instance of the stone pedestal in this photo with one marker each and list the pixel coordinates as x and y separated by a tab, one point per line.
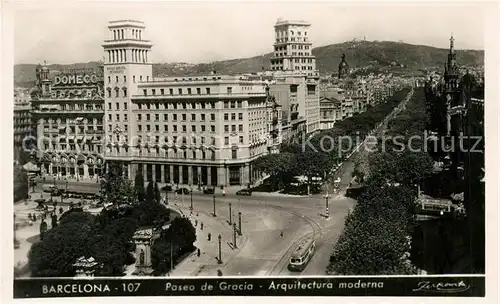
143	240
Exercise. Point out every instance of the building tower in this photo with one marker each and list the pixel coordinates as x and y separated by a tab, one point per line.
127	63
451	71
343	67
292	48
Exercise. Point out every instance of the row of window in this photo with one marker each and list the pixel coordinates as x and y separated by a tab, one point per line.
190	105
68	148
181	154
175	139
293	39
59	121
174	117
80	107
285	33
180	91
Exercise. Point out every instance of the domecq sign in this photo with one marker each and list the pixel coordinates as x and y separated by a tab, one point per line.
75	79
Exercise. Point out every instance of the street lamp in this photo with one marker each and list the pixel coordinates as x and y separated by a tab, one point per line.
230	215
234	235
239	223
220	252
214	204
191	198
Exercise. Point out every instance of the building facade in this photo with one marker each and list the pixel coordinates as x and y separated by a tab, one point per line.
68	112
296	79
23	124
199	130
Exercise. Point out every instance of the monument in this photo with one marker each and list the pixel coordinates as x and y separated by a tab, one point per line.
143	240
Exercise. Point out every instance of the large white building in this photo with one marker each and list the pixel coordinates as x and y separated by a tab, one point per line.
183	130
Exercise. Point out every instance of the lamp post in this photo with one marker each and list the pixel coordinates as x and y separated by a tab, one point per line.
191	193
214	205
239	223
220	252
230	215
225	173
234	235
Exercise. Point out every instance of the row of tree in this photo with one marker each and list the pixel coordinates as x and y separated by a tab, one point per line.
315	155
375	239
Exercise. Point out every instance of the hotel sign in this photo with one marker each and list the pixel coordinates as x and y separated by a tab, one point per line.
116	69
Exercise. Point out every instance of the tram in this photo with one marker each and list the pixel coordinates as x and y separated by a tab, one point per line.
301	255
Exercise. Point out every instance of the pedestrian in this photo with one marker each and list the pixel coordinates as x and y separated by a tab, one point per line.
195	223
199	252
224	192
281	234
201	226
209	236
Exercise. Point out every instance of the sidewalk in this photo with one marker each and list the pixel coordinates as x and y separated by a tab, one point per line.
207	263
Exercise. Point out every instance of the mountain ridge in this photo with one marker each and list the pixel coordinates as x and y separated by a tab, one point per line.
359	54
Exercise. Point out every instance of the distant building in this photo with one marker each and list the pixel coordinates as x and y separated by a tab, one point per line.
296	79
343	68
331	112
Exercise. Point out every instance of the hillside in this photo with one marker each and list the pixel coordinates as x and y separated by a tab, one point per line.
358	54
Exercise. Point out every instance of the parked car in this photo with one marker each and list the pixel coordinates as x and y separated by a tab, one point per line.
166	188
182	191
209	190
247	192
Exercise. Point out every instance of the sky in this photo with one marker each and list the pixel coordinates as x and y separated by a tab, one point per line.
197	32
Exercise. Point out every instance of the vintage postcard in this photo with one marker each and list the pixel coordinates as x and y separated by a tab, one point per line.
248	148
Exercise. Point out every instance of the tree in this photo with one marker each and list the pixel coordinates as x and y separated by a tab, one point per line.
177	240
21	189
139	186
157	193
150	193
55	255
117	189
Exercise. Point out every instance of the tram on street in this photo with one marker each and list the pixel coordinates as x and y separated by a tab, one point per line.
302	255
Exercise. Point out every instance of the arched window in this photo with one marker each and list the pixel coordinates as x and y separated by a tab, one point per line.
117	92
124	92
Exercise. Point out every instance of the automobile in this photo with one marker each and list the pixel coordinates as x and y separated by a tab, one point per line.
182	191
166	188
56	192
247	192
209	190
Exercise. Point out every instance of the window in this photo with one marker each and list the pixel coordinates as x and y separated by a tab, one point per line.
110	117
139	116
157	128
153	92
226	116
145	92
189	91
175	128
162	91
240	128
139	106
124	78
202	117
109	79
240	104
212	127
157	117
240	116
180	91
184	128
198	91
165	128
171	91
193	117
226	104
226	128
133	78
193	128
124	105
125	127
140	78
184	105
226	140
174	117
184	117
233	104
229	90
234	154
233	116
208	91
117	117
241	139
233	128
203	128
125	117
116	78
148	128
212	117
110	128
165	117
109	105
118	106
148	117
109	92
